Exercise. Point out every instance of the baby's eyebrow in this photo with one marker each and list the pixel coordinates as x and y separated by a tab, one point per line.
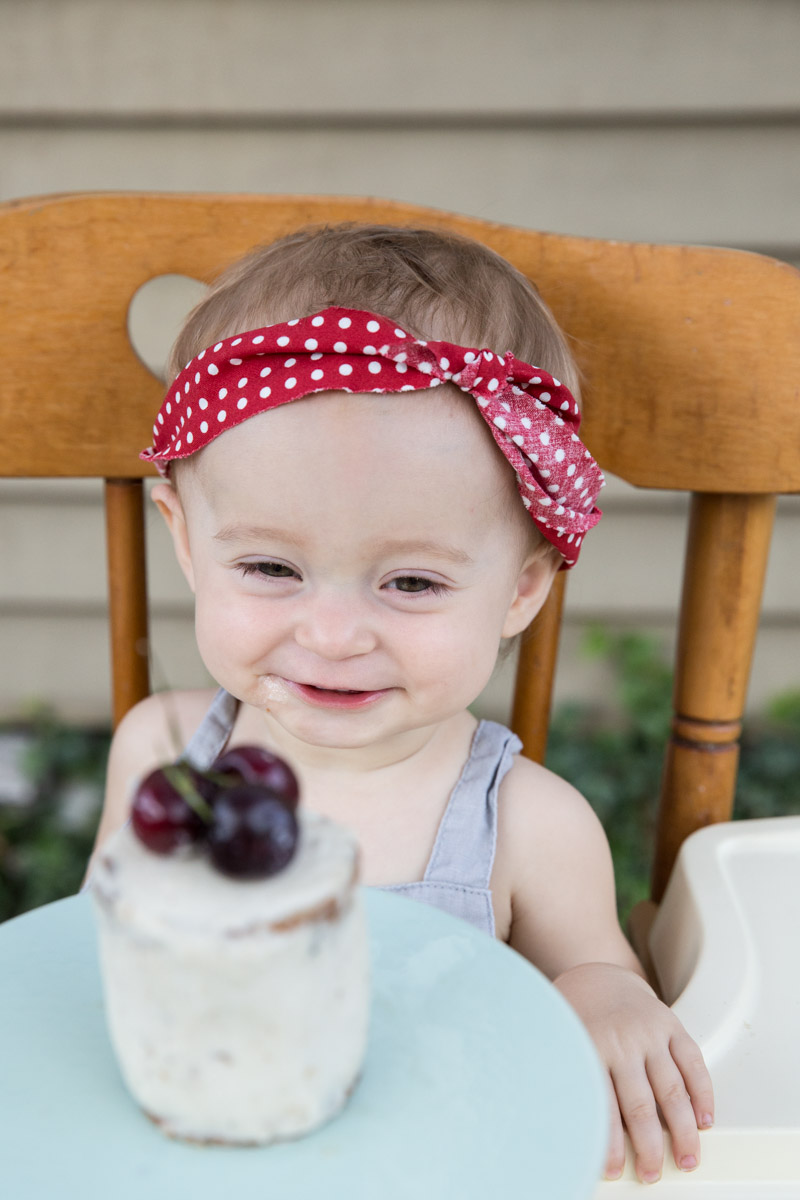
247	533
412	546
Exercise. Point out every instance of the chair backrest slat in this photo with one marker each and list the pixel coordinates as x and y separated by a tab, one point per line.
127	594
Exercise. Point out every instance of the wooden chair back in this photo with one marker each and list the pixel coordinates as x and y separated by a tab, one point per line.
691	358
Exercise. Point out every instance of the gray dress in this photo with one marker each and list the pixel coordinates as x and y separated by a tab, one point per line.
457	876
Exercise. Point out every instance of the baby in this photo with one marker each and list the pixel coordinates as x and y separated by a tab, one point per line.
367	503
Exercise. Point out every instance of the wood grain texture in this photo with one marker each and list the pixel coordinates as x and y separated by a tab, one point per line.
127	594
536	668
691	354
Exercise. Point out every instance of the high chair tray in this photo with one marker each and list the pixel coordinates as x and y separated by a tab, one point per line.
479	1080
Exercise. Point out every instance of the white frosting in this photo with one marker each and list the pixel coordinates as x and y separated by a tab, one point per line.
226	1027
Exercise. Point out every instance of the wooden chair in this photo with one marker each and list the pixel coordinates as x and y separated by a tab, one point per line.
692	362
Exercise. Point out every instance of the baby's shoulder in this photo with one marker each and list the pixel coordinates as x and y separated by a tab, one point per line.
158	728
535	803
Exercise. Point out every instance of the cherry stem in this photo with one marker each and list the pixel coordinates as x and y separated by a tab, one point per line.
184	785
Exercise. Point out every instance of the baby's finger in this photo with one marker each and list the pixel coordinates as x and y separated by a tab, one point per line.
676	1107
688	1056
615	1156
638	1107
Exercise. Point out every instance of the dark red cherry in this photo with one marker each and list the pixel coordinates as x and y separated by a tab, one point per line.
162	816
252	764
253	834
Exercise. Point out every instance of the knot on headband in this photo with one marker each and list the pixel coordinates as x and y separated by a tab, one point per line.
533	418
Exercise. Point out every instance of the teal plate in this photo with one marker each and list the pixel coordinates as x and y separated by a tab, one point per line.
479	1082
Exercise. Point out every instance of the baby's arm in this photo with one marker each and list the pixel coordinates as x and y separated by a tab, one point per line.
564	920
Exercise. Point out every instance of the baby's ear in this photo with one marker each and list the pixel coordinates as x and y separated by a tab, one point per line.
171	509
534	583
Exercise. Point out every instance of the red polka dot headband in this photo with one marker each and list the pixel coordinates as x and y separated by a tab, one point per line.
533	418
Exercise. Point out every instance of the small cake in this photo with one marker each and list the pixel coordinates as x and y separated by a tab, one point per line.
238	1007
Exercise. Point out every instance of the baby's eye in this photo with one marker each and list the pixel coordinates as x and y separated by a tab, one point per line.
417	585
274	570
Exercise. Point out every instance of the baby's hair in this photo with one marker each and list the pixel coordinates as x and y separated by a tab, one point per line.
438	285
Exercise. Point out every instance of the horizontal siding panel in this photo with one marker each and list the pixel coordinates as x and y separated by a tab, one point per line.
724	186
532	56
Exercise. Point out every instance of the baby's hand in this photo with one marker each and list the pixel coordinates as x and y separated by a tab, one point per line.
651	1061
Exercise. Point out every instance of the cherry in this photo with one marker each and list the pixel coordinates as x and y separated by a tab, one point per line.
252	764
253	833
162	816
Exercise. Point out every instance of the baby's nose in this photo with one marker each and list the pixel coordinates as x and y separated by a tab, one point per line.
335	625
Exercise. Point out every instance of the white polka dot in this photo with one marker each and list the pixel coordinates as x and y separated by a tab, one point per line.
204	426
374	367
197	377
560	455
544	438
552	487
425	368
188	412
290	382
290	362
565	406
243	382
401	333
500	422
235	362
265	372
311	343
571	469
520	441
469	357
345	369
544	396
221	415
487	356
258	340
401	368
545	474
190	437
536	378
222	393
340	347
506	406
345	323
213	369
265	391
316	357
283	341
218	347
370	350
373	326
317	374
544	501
203	402
558	420
161	419
318	321
294	321
241	402
526	422
169	407
444	363
407	387
236	342
556	382
202	354
177	445
185	388
578	482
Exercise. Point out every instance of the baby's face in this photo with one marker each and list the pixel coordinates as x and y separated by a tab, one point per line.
356	562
